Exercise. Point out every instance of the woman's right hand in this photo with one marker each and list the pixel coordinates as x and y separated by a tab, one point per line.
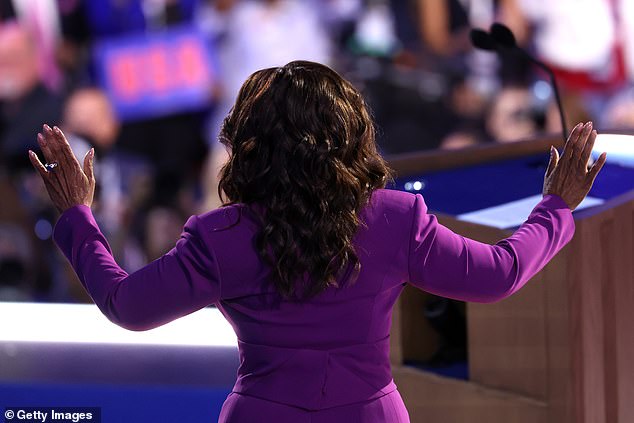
568	176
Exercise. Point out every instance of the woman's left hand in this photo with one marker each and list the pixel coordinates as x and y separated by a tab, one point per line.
67	183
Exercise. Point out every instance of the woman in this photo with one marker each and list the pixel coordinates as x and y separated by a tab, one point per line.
309	253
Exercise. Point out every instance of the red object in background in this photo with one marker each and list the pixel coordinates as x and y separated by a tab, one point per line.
191	68
608	79
156	74
123	74
157	64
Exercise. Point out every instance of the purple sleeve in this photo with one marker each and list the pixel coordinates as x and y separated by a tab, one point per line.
449	265
180	282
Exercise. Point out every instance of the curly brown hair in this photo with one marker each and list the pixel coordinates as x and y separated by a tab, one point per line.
302	148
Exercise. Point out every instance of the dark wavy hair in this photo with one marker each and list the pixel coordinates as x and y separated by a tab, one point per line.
302	148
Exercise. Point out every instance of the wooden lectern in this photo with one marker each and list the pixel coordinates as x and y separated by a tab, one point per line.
561	350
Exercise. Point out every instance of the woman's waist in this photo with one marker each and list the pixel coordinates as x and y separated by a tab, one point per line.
313	378
389	389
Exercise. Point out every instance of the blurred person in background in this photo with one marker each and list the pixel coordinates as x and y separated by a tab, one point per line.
211	17
259	34
375	31
444	26
455	83
26	225
16	269
592	54
215	19
41	19
339	18
73	52
25	101
125	178
619	111
468	108
510	117
268	32
86	25
575	110
461	138
162	229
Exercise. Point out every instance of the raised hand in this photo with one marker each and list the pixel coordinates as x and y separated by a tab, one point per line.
67	183
568	176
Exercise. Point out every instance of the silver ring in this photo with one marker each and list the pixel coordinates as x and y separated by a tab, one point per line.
50	166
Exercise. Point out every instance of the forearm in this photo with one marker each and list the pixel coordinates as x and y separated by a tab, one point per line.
87	250
547	230
457	267
176	284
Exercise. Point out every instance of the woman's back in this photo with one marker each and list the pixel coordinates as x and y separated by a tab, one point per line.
382	247
333	349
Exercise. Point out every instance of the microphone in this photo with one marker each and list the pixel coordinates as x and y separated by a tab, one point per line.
503	35
482	40
501	40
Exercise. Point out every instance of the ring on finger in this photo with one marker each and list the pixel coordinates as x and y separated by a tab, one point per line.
50	166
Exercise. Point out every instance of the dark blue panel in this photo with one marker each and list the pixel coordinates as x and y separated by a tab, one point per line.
471	188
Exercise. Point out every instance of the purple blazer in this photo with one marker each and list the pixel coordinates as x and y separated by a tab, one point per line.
334	349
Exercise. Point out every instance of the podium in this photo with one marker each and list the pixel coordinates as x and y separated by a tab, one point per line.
561	350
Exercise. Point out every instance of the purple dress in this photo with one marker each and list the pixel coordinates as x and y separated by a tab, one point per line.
327	359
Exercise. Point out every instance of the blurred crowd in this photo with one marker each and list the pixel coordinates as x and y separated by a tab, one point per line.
157	160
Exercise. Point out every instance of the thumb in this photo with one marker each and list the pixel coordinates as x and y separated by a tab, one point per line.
554	159
89	159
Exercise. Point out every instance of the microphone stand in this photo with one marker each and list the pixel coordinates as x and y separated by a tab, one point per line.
501	39
553	83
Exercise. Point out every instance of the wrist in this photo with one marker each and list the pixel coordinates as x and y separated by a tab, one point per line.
558	198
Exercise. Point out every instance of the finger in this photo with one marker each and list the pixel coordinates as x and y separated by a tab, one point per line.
51	142
63	171
64	146
68	170
44	143
56	151
596	167
35	161
554	158
576	131
581	144
576	145
63	153
587	150
49	183
89	164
